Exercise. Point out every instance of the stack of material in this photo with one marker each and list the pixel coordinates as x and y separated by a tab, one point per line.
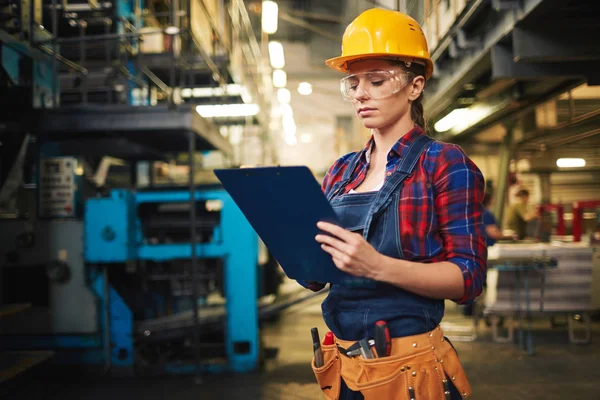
565	290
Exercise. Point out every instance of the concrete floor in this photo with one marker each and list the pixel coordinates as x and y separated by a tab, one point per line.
559	370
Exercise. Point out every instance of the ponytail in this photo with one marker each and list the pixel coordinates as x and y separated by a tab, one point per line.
416	112
416	107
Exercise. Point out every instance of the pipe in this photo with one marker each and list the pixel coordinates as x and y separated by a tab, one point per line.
316	16
505	157
109	36
108	24
83	87
64	60
155	79
107	327
54	52
211	64
191	162
31	20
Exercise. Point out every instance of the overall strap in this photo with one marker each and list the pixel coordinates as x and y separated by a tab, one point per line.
413	154
407	165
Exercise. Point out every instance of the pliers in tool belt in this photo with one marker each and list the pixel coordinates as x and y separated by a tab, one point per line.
353	350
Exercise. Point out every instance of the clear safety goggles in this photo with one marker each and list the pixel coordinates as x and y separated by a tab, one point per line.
374	84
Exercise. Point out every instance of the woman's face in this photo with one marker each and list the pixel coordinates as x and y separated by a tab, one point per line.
379	102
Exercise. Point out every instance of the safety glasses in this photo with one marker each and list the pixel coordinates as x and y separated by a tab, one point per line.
374	84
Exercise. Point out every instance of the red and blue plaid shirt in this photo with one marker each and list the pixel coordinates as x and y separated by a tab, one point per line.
440	207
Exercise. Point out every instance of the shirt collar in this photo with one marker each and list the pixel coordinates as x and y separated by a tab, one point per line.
399	148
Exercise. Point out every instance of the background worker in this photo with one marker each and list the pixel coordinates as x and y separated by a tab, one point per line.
492	229
410	210
519	215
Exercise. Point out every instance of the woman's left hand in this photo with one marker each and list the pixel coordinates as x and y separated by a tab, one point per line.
351	253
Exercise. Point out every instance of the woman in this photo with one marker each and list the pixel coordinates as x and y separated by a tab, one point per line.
410	210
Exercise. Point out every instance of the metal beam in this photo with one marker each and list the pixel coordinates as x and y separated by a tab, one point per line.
442	93
518	110
565	44
502	185
460	22
462	70
303	24
504	67
579	125
157	127
316	16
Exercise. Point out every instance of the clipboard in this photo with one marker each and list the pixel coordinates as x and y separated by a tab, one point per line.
283	205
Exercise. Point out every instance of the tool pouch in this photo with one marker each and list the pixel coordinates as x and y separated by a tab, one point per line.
418	368
328	376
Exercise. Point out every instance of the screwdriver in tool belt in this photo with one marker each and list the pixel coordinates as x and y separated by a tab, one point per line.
329	339
383	343
317	347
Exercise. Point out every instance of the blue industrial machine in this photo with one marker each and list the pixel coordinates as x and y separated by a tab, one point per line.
120	283
109	274
153	227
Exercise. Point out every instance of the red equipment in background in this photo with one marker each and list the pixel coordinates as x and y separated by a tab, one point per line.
560	215
578	208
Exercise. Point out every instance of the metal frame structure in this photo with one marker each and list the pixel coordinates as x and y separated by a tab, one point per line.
107	119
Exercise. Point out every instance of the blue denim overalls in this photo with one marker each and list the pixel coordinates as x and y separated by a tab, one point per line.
350	312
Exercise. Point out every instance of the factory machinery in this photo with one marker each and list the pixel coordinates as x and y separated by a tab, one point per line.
96	270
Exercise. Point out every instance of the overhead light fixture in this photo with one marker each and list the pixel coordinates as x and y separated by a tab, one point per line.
286	111
276	56
269	17
279	78
291	140
304	88
284	96
232	89
570	163
227	110
451	120
172	30
289	127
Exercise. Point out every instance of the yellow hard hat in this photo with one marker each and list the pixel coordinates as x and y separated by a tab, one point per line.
379	33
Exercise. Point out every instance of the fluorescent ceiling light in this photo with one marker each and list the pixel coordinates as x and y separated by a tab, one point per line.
570	163
228	110
291	140
451	120
286	111
284	96
232	89
279	78
289	127
269	17
172	30
276	55
304	88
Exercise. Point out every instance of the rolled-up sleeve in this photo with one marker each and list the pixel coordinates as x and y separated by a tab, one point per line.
459	187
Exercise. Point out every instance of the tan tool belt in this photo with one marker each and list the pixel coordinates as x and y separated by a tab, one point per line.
417	369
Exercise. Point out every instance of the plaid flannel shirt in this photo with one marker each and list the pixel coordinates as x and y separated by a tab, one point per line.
440	207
